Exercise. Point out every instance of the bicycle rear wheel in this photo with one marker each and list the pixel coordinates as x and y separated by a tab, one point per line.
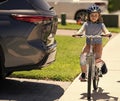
96	79
89	78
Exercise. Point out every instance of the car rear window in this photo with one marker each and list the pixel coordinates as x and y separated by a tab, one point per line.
2	1
40	4
25	4
15	4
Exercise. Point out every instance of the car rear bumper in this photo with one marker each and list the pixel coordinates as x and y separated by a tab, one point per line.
51	54
47	59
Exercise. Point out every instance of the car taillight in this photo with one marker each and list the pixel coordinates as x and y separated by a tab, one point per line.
31	18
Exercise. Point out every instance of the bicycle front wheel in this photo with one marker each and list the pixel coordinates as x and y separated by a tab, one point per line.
96	79
89	78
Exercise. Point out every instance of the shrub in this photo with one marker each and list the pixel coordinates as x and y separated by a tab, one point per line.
114	5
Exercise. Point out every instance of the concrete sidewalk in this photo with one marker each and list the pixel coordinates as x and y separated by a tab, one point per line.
109	85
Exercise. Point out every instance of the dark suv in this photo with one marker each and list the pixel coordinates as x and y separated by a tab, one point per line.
27	31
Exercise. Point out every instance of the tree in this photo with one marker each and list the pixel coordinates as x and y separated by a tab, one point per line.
114	5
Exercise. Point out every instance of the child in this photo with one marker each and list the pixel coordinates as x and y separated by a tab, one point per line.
93	26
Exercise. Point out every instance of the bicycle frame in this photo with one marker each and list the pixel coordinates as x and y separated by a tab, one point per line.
91	56
91	72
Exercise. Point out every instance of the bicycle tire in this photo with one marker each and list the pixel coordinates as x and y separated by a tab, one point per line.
96	79
89	78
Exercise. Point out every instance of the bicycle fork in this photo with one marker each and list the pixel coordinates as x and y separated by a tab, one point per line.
90	71
91	60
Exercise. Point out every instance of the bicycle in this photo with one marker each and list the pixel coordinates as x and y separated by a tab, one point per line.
93	72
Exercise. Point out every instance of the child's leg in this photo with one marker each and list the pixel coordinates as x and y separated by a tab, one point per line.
98	50
83	63
83	58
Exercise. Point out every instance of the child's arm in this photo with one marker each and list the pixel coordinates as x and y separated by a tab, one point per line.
105	30
82	29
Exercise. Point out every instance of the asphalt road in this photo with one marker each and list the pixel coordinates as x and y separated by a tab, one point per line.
13	89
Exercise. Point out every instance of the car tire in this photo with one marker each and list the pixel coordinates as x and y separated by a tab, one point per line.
81	16
2	67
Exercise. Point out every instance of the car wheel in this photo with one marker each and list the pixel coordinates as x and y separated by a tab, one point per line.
81	16
2	61
8	74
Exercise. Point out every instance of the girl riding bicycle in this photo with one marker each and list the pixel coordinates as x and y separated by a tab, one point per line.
93	26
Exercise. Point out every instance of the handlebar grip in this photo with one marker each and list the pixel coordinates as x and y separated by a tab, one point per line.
75	35
106	35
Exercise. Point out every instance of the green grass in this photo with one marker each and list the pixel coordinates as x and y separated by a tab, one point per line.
66	67
72	26
69	26
114	30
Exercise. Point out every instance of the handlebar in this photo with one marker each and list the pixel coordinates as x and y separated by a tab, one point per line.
92	36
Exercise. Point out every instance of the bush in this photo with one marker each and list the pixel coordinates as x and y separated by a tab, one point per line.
114	5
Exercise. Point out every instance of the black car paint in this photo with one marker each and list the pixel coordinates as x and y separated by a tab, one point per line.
26	45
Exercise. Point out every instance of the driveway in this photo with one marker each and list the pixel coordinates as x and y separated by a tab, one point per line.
13	89
18	89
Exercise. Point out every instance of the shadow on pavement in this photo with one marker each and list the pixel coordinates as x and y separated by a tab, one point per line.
100	95
29	91
118	81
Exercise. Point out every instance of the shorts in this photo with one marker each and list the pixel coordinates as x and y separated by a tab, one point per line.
95	41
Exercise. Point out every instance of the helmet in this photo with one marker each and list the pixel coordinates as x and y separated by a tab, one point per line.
94	8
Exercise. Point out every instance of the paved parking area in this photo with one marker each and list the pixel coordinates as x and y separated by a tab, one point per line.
18	89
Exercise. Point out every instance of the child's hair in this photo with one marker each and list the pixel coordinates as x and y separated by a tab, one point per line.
100	20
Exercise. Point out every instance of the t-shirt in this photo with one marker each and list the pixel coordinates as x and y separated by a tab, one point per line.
90	28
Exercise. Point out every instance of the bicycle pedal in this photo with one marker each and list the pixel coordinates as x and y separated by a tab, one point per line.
100	75
83	80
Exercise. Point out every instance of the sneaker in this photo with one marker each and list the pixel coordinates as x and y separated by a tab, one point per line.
104	69
82	77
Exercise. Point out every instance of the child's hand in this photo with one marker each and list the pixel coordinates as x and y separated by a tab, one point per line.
110	35
107	35
73	35
77	35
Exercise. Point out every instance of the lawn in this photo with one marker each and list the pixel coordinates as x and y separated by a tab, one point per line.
74	26
66	67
